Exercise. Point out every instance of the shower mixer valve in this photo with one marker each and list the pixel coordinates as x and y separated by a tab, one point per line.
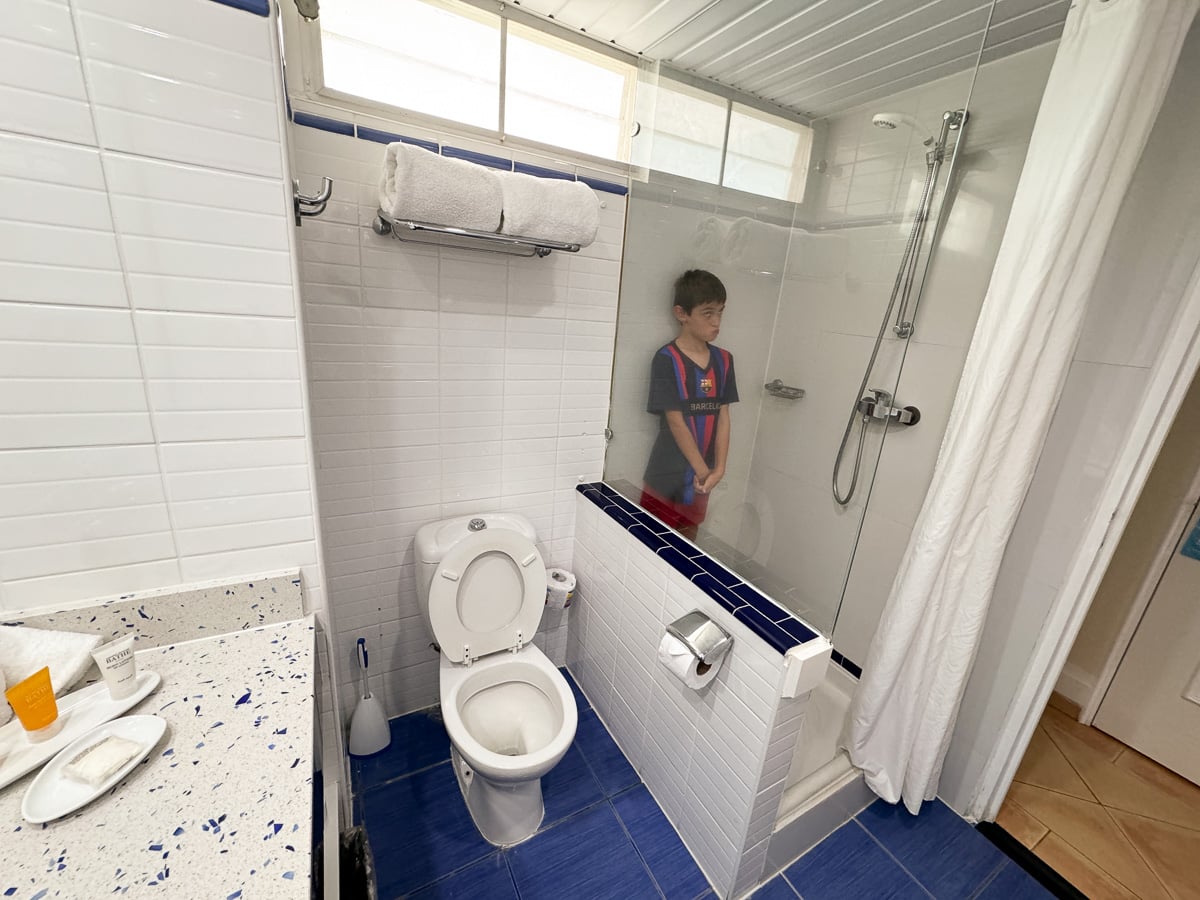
879	406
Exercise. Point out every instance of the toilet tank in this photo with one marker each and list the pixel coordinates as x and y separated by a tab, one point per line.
434	540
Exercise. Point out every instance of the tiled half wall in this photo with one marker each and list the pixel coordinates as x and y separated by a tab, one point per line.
717	759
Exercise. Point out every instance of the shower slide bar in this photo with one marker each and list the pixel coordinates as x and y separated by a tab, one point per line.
465	238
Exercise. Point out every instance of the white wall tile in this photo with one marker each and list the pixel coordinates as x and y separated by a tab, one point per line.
705	755
134	454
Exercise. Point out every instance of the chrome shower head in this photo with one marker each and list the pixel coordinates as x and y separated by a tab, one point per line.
891	121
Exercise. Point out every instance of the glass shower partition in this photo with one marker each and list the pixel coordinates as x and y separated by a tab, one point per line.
808	280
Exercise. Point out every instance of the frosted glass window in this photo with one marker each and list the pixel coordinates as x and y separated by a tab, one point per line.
560	93
767	155
688	132
416	56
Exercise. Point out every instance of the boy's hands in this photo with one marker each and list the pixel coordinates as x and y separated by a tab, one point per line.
705	484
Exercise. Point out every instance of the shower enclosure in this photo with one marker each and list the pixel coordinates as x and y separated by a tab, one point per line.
849	316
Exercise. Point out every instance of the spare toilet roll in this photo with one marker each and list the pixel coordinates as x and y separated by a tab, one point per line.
560	588
675	655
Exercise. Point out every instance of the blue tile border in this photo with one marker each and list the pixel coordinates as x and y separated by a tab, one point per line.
258	7
849	665
322	123
378	136
771	622
541	171
608	187
480	159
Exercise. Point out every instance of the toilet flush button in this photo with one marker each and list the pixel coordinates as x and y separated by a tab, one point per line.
449	575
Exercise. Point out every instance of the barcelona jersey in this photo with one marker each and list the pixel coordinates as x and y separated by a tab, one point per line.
677	383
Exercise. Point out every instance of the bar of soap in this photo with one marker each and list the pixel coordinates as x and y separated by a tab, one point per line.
97	763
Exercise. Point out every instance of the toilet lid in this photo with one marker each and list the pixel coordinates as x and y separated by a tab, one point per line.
487	589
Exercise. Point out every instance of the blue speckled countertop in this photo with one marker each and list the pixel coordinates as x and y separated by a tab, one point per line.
222	807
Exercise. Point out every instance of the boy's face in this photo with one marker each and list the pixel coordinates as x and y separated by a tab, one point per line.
703	322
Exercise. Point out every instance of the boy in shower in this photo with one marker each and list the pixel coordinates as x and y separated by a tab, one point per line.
691	386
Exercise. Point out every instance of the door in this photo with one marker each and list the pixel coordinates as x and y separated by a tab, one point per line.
1153	703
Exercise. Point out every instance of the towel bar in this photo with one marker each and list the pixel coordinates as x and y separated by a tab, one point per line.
446	235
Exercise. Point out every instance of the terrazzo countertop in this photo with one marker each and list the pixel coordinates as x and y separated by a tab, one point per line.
222	807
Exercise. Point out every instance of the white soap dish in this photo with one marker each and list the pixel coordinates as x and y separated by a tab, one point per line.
79	712
52	794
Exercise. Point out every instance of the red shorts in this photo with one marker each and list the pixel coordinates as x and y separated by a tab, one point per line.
682	517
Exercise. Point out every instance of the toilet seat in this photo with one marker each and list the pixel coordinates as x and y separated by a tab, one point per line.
487	595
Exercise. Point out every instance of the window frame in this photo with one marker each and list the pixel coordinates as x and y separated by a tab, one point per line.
305	82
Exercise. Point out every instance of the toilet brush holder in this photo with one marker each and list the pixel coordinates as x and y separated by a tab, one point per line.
369	730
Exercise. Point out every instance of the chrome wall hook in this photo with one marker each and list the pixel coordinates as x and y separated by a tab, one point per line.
303	205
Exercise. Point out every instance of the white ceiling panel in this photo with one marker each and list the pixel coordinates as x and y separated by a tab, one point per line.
814	57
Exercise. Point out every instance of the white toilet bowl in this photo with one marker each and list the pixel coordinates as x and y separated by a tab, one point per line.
509	712
511	717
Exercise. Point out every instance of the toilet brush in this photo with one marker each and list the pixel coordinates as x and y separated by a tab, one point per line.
369	731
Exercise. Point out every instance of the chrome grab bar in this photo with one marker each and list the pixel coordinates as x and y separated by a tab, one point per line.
777	388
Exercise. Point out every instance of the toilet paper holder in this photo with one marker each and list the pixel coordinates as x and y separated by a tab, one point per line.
706	640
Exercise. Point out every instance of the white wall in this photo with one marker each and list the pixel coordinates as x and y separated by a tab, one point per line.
1154	247
444	382
152	420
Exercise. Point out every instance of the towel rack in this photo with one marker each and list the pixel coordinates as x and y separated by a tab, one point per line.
446	235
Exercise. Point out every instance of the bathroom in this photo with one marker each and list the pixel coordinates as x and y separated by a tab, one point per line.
197	390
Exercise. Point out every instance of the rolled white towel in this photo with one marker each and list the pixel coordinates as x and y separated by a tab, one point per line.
549	209
420	185
24	650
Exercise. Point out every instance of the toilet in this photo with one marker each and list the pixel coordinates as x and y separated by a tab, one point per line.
510	713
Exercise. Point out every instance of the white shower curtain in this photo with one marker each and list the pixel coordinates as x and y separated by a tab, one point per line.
1108	80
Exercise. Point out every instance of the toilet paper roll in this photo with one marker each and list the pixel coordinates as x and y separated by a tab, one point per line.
675	655
560	588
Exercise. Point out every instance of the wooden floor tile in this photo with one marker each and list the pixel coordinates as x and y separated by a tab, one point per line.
1044	765
1119	788
1057	722
1071	865
1020	824
1093	833
1169	851
1063	705
1148	770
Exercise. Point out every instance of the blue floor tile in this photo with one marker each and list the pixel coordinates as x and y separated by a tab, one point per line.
581	700
420	830
670	864
568	788
775	889
1014	883
945	854
605	758
588	857
488	879
419	740
848	865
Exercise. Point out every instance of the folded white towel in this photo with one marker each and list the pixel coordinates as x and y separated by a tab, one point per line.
756	246
549	209
420	185
24	650
708	243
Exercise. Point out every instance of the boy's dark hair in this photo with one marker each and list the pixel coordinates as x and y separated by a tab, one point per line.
695	287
